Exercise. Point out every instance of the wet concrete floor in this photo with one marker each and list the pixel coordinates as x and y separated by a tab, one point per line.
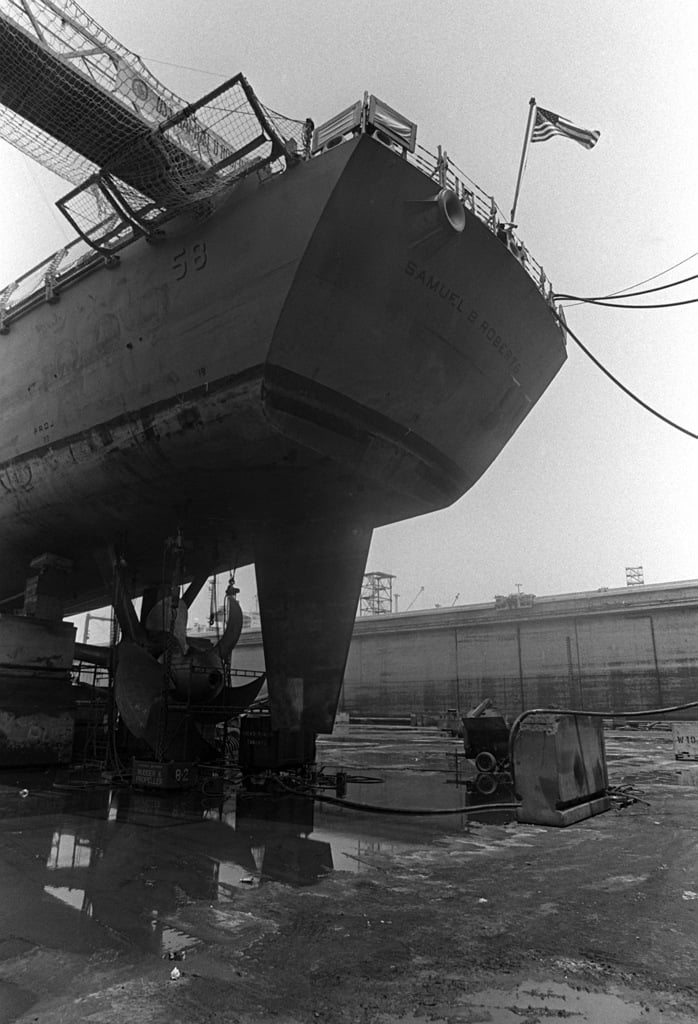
277	907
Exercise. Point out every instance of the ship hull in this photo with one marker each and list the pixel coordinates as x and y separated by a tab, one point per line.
325	354
325	341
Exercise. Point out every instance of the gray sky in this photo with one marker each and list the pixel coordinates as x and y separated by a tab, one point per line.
591	483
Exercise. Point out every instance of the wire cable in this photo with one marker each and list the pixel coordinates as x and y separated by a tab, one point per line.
631	394
654	277
635	305
625	294
185	67
660	274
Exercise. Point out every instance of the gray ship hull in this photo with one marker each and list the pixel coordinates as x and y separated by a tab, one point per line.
324	355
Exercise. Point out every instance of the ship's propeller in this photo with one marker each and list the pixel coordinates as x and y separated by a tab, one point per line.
164	680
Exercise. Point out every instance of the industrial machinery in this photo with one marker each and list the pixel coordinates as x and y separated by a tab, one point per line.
486	740
553	764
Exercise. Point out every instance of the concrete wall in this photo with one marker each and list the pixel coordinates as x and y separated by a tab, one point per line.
615	650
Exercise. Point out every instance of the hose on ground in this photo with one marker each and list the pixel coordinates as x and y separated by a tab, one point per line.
356	805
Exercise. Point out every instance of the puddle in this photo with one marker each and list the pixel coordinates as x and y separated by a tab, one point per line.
175	943
128	864
131	867
75	898
407	791
535	1000
96	869
116	866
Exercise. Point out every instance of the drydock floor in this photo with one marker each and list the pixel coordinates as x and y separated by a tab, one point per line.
272	910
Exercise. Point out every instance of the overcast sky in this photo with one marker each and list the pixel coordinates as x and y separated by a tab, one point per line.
590	483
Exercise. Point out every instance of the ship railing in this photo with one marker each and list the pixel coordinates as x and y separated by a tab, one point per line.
447	174
42	283
223	143
392	129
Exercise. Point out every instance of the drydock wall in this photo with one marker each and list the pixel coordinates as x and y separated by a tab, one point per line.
627	649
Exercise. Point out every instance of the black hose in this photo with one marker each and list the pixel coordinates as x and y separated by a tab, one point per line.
354	805
631	394
375	809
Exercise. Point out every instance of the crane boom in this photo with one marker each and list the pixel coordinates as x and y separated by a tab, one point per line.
419	592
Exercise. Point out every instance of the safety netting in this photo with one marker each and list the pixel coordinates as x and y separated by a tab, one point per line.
185	162
77	101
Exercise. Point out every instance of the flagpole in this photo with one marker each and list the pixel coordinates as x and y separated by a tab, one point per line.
527	139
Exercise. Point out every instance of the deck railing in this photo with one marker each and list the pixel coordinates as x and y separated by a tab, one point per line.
43	282
448	174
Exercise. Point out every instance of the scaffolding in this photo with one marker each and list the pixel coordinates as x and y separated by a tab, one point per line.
634	575
376	594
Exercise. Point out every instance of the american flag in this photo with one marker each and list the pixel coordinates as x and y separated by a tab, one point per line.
548	124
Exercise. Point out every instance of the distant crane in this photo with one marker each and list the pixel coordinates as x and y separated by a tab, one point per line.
455	599
420	591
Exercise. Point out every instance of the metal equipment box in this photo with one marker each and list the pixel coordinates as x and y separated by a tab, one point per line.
685	737
486	734
560	769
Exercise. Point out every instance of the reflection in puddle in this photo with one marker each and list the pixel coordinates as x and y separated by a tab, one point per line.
133	866
174	941
132	863
68	851
408	790
76	898
533	1000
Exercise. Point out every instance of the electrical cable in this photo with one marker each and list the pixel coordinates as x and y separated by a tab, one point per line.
635	305
324	775
626	795
647	279
626	294
404	769
356	805
661	272
648	408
